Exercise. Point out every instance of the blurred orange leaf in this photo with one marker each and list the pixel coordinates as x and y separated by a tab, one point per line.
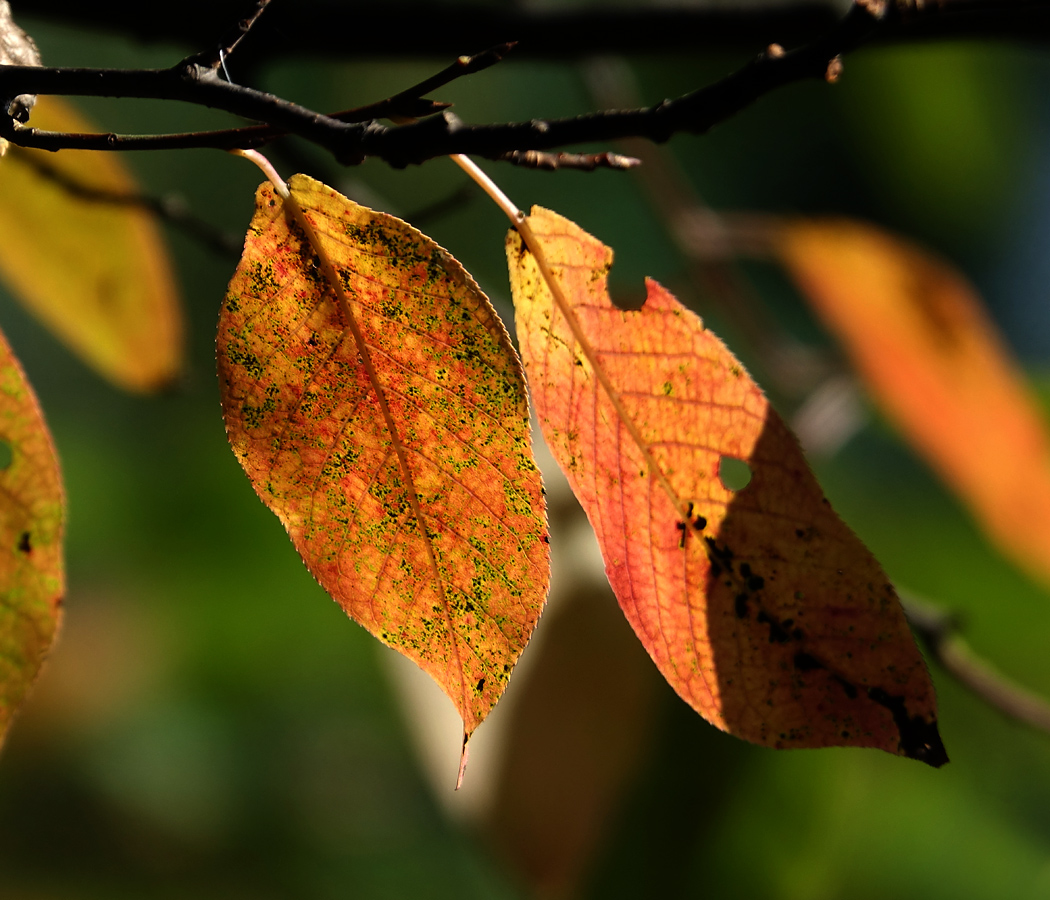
759	606
918	335
96	273
32	512
374	399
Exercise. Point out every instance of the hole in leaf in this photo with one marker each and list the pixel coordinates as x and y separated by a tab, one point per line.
7	455
734	473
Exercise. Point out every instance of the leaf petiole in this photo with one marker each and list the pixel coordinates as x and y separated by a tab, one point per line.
268	170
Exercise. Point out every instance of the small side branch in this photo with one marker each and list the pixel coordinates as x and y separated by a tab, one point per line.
214	59
939	631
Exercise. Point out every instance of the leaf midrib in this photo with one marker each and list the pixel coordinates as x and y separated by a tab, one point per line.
331	276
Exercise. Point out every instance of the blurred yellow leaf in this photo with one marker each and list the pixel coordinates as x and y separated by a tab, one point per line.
96	273
918	335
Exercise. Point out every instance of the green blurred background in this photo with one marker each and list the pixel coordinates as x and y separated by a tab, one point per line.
211	724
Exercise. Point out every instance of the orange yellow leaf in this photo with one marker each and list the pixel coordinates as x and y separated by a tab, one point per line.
918	335
97	274
32	511
385	422
759	606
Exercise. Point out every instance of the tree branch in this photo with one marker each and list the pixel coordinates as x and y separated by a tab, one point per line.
939	631
444	134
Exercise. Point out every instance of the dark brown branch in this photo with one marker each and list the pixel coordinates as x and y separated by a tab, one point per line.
939	631
437	136
408	104
445	134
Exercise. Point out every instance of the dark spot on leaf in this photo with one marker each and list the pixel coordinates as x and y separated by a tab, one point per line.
723	554
850	690
919	739
481	685
804	662
755	583
23	543
777	634
699	523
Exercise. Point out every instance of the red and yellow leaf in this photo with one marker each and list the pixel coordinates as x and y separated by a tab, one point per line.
374	399
32	512
96	273
759	606
918	335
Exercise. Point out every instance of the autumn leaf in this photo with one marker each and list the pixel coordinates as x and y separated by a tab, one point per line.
918	335
32	511
374	399
96	273
759	606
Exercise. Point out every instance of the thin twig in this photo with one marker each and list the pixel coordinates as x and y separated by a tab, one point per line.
583	162
464	65
214	58
939	631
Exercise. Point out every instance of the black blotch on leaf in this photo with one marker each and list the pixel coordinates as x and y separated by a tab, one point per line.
919	739
740	606
805	662
481	685
777	633
850	690
23	543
